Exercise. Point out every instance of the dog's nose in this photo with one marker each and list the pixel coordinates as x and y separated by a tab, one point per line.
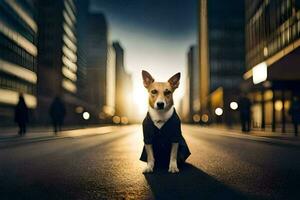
160	105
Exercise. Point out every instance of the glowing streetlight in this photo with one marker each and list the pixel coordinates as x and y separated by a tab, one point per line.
196	118
124	120
204	118
86	115
219	111
234	105
116	119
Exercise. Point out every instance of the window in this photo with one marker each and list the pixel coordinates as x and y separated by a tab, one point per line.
297	4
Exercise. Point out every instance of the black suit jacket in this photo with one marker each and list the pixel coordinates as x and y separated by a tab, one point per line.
162	139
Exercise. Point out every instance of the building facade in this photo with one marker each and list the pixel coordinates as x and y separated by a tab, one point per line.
221	54
57	59
18	56
97	45
191	100
123	86
82	33
110	103
272	60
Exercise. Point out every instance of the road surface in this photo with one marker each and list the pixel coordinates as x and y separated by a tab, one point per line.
107	166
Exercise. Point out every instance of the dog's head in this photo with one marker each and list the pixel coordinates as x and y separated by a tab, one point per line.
160	93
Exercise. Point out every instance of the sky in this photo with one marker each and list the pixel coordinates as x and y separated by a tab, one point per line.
155	34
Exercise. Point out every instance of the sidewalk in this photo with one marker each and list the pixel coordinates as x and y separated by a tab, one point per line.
267	135
257	135
262	133
34	134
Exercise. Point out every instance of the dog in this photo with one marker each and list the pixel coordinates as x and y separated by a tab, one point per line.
163	141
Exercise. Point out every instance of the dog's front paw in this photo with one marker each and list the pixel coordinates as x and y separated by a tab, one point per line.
173	167
149	168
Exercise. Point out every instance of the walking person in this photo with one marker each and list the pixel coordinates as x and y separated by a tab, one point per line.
245	113
57	113
21	115
295	113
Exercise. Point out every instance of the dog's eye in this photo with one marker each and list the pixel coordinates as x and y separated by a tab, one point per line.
153	91
167	92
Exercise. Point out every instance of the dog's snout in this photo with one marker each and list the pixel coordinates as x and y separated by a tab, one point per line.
160	105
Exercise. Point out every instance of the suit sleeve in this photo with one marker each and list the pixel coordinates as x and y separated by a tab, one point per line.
147	133
176	132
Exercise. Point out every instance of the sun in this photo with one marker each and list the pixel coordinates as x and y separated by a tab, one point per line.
140	96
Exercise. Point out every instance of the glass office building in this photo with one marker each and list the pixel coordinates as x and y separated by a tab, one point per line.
221	54
191	102
97	55
18	55
272	75
271	25
57	46
226	43
58	58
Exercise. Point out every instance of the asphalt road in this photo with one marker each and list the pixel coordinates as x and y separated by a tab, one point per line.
107	166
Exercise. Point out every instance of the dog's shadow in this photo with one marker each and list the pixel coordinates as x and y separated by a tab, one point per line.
190	183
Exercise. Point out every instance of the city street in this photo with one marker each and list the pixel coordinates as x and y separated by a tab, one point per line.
107	166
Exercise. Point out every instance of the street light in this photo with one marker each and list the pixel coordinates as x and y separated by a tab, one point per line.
234	105
196	118
219	111
86	115
116	119
124	120
205	118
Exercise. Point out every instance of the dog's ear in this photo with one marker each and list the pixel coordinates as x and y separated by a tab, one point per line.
174	81
147	78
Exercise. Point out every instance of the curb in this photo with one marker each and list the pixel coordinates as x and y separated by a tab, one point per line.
9	142
238	135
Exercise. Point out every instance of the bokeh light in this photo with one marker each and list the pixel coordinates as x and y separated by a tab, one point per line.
219	111
86	115
196	118
116	119
234	105
204	118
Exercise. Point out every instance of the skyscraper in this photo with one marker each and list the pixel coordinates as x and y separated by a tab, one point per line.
57	60
272	75
123	84
191	101
97	45
18	53
221	54
82	33
109	108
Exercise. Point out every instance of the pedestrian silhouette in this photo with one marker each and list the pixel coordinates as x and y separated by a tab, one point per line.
245	113
295	113
57	113
21	115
